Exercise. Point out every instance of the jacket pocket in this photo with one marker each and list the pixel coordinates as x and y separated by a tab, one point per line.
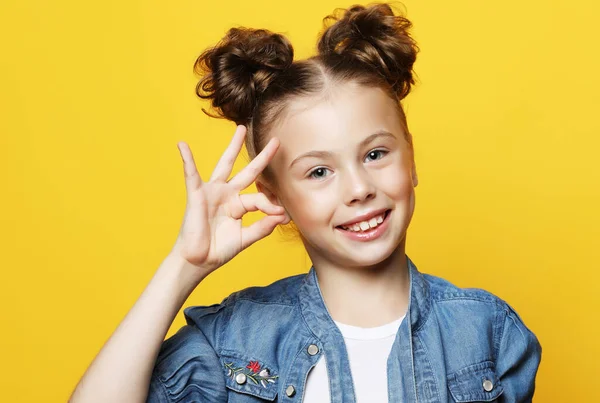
475	383
250	375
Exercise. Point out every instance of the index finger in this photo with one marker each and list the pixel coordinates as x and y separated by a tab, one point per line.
249	174
225	164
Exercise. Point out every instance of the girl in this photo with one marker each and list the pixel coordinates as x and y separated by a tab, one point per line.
332	153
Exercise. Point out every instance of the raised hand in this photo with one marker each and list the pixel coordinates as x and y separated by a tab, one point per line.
212	231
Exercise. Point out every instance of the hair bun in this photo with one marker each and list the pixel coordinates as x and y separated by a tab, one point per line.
237	70
374	36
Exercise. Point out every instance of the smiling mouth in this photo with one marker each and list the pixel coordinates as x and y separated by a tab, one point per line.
367	225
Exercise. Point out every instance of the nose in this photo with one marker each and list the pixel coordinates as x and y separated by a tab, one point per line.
359	187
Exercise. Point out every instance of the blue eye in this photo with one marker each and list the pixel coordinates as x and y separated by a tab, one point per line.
318	173
375	155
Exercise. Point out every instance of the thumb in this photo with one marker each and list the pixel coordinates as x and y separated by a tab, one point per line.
260	229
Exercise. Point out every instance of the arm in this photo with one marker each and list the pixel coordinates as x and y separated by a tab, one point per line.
518	360
211	234
122	369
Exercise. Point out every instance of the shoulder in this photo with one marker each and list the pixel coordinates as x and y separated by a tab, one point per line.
244	304
445	293
487	313
283	291
494	326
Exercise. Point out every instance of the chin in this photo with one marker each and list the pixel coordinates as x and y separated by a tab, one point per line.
371	255
373	261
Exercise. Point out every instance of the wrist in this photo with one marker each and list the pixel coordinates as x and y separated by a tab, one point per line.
186	275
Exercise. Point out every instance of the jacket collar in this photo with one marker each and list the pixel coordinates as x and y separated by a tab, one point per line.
321	323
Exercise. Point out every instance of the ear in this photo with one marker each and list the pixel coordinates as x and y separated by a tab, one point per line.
413	172
266	190
415	178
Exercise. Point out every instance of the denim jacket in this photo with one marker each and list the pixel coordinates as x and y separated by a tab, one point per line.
259	344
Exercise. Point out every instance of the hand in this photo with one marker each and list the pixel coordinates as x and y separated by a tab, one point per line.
212	231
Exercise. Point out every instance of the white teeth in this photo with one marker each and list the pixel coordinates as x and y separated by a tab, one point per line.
365	225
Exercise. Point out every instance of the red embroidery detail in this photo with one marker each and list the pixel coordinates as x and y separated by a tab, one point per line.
254	366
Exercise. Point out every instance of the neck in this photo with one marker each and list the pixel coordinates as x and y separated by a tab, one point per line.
366	296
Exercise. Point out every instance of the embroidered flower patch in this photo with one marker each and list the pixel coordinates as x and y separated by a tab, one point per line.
253	372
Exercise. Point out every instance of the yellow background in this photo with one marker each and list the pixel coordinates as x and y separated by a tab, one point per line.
95	96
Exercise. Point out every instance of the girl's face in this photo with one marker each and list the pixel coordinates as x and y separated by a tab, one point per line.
343	167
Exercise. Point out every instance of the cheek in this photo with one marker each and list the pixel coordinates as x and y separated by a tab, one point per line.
309	207
396	183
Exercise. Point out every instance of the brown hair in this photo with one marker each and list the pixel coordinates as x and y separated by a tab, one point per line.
250	74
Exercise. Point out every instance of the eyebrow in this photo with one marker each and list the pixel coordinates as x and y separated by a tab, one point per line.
325	154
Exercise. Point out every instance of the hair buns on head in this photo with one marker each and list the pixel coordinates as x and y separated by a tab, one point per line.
374	36
237	70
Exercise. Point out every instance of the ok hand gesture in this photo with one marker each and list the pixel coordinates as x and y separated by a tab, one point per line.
212	231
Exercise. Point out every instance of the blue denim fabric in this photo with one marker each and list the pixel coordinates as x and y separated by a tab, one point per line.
454	345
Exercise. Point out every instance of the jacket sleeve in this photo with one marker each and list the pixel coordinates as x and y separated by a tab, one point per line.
188	368
518	360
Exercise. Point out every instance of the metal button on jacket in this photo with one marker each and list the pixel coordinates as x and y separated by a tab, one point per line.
488	385
290	391
240	378
313	349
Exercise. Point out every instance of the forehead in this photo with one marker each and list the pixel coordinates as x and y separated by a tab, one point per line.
341	118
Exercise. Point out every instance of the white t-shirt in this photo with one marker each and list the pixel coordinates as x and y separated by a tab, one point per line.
368	351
